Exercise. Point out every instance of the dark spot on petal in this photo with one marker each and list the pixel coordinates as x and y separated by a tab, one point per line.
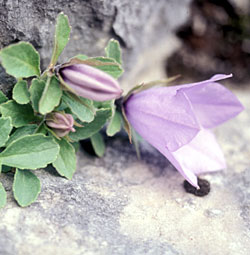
203	191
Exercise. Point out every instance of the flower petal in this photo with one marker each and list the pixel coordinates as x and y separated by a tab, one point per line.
162	117
201	155
213	104
216	77
185	172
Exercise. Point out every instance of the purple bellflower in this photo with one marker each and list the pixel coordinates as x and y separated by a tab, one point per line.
176	121
61	124
90	82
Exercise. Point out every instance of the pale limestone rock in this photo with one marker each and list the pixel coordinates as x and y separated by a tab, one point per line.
121	205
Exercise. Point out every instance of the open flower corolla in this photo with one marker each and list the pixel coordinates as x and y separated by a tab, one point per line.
177	120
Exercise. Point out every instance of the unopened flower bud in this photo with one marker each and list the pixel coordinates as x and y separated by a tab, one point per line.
90	82
61	124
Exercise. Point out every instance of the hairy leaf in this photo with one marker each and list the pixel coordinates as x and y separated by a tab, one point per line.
21	115
82	107
115	124
26	187
21	60
30	151
3	98
36	91
91	128
5	128
98	144
113	50
22	131
61	36
51	96
21	93
65	164
3	196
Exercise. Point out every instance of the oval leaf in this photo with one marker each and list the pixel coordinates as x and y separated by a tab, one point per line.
21	60
107	65
3	196
113	50
61	36
26	187
21	115
31	151
82	107
21	93
22	131
51	96
98	144
115	124
91	128
5	127
36	91
65	163
3	98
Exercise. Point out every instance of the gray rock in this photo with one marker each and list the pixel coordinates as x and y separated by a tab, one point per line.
138	25
121	205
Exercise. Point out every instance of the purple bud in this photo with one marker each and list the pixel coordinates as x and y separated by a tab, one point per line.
90	82
61	124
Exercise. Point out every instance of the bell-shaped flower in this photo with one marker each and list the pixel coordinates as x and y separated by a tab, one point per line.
176	121
60	123
90	82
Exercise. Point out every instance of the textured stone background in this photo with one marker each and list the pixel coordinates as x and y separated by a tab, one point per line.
226	24
119	205
138	25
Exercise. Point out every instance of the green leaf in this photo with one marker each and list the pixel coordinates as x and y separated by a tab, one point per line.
3	98
26	187
21	93
21	115
21	60
51	96
115	124
104	104
107	65
65	163
61	107
22	131
98	144
30	151
6	169
110	66
82	107
3	196
42	129
61	36
81	57
135	140
76	146
5	127
113	50
89	129
36	91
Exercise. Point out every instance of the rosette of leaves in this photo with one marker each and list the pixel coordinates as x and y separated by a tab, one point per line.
26	142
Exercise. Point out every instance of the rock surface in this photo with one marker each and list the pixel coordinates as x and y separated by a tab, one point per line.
121	205
138	26
225	24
